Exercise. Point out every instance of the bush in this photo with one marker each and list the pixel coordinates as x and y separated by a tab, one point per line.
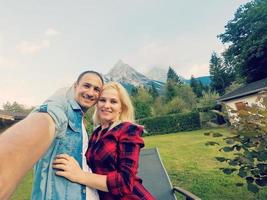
248	143
142	109
176	105
171	123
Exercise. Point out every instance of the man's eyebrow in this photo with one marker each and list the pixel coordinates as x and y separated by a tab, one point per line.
90	84
96	87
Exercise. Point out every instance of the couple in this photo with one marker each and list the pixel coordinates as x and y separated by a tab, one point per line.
55	132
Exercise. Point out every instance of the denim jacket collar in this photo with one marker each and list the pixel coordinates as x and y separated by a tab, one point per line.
73	103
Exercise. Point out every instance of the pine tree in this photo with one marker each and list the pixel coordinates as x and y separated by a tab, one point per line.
172	76
221	75
153	91
196	86
173	81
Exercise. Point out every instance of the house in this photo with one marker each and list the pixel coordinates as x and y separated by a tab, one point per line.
245	95
9	118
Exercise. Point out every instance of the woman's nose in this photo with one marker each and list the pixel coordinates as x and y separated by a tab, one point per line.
107	104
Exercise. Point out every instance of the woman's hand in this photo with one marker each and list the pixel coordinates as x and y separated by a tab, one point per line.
68	167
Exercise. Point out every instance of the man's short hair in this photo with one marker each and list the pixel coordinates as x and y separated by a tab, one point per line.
90	72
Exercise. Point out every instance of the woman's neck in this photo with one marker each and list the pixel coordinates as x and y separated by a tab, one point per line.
108	124
105	125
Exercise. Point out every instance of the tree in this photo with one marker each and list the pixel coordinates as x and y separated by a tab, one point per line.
16	107
197	86
208	100
205	105
221	74
247	37
176	105
233	86
173	81
158	107
186	93
173	77
170	91
153	91
142	102
248	143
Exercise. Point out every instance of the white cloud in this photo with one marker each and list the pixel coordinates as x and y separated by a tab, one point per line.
32	47
179	53
51	32
197	70
149	55
19	91
6	63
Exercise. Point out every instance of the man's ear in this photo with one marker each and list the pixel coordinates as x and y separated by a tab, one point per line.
75	85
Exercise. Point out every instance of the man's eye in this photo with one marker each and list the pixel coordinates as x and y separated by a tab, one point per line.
97	90
87	86
102	100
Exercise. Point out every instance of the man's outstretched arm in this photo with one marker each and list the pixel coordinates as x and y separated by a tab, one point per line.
20	147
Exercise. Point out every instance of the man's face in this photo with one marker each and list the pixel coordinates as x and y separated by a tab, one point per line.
87	90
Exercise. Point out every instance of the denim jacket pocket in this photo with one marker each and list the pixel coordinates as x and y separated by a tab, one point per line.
68	142
73	127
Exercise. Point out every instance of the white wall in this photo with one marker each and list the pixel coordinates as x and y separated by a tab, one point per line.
250	99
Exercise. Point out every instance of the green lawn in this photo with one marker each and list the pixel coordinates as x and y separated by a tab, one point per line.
190	164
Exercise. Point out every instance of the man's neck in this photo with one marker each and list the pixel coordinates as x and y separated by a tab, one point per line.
84	109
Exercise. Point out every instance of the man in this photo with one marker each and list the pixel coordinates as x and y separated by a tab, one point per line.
52	128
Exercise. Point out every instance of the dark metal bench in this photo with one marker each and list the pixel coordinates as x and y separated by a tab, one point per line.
156	179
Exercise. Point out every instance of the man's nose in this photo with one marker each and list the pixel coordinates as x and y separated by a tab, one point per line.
91	91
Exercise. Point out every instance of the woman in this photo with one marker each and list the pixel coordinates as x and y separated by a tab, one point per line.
113	151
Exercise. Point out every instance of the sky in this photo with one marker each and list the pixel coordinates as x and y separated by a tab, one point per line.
45	44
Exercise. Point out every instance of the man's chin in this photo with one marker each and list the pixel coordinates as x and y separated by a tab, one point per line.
86	106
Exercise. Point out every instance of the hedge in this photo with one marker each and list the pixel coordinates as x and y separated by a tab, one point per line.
171	123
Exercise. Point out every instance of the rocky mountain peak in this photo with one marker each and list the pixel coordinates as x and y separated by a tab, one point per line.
124	73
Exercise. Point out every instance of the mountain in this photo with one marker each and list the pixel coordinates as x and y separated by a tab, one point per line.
160	74
129	77
157	73
124	73
205	80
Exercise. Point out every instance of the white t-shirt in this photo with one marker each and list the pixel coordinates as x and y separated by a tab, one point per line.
91	194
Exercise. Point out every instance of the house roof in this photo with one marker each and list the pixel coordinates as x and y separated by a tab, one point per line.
16	115
245	90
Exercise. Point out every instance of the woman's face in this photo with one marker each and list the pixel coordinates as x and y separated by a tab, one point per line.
109	106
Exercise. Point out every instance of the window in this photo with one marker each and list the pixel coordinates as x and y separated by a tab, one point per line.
240	105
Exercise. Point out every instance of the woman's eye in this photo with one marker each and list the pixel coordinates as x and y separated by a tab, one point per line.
113	102
102	100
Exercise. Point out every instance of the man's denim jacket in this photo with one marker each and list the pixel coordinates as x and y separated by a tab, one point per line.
67	115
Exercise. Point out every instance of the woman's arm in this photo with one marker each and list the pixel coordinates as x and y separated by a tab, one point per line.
69	168
121	181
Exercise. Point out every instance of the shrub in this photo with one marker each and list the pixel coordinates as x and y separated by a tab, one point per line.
176	105
249	145
171	123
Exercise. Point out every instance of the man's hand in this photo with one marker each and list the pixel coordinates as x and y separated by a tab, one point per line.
20	147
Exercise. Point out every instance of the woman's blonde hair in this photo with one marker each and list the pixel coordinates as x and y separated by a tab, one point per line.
127	110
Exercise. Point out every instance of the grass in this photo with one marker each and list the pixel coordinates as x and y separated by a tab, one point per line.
190	164
23	191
